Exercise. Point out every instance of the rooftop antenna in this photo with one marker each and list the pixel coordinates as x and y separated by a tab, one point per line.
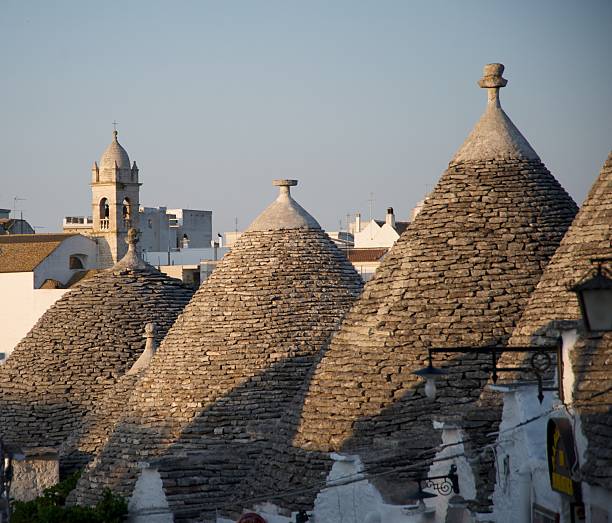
236	224
348	222
371	201
15	200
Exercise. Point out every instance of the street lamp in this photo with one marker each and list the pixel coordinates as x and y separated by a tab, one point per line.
595	298
430	374
539	363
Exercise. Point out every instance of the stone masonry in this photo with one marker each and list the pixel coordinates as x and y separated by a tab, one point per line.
553	306
461	274
231	365
81	348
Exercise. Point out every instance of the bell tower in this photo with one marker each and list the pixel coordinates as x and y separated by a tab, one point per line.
115	202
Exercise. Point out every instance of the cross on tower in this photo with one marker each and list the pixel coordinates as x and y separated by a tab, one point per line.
115	125
371	202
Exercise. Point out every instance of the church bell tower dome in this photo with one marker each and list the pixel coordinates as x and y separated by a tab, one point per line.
115	153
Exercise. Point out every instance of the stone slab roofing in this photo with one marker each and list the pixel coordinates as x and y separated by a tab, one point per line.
553	305
461	274
589	237
79	349
232	363
24	252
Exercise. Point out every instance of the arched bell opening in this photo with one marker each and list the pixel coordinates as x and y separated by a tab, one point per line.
104	214
127	213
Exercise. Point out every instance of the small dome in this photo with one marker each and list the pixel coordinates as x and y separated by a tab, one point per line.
115	153
284	212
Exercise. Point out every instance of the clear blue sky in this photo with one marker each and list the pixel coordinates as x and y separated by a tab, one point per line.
214	99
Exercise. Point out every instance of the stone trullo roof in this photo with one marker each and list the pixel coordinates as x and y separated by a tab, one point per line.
231	364
552	308
80	348
552	305
92	433
461	274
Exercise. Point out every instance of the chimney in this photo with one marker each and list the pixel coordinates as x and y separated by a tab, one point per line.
357	223
390	218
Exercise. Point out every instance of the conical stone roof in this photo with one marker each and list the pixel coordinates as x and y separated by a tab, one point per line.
460	274
231	364
81	347
553	308
589	237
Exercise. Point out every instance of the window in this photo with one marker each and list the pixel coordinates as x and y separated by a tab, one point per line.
104	213
76	262
127	213
104	208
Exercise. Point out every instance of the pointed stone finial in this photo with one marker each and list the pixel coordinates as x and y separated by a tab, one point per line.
492	81
494	136
149	351
133	237
284	186
131	260
284	212
150	336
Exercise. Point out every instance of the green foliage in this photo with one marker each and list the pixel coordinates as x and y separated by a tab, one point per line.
50	507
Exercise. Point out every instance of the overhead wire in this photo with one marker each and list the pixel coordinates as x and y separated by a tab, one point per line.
356	477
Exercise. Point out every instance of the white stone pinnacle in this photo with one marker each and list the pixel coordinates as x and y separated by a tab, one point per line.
494	136
132	260
284	212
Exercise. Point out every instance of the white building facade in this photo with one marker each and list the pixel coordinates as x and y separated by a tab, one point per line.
116	208
35	271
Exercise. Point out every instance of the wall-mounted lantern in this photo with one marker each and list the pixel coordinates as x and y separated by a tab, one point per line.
430	374
443	486
595	298
539	363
